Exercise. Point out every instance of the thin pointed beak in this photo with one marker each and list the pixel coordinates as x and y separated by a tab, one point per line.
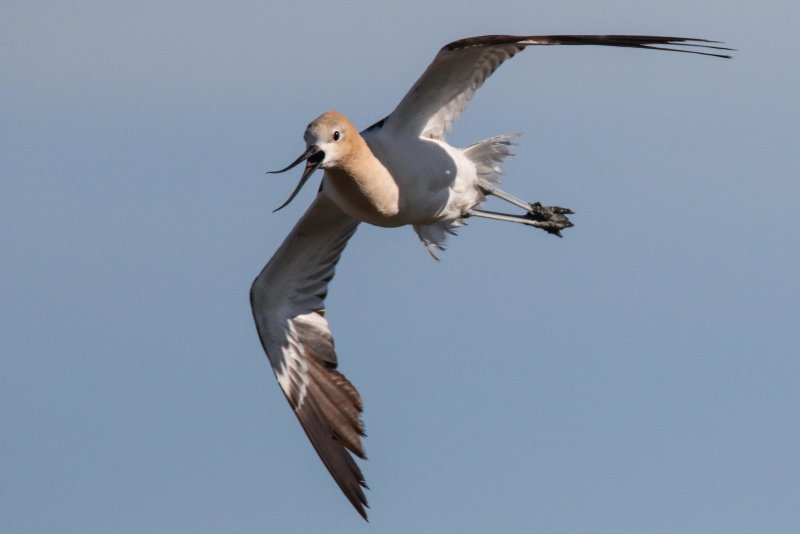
313	156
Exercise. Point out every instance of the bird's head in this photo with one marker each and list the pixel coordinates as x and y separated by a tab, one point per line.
329	141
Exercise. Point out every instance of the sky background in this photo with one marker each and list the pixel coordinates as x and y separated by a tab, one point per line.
640	375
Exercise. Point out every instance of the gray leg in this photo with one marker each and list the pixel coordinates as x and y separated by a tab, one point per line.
490	189
552	225
552	219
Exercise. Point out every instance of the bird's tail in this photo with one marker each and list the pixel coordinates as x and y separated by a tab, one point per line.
488	155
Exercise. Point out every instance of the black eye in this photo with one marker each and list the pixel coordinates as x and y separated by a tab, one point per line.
336	135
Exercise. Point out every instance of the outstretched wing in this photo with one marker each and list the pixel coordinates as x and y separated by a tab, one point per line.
288	301
443	91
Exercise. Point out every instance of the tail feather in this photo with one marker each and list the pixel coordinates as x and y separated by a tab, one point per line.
488	155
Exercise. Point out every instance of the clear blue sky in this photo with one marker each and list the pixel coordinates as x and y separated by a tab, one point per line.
640	375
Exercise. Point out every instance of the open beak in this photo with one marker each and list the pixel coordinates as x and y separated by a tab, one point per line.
313	157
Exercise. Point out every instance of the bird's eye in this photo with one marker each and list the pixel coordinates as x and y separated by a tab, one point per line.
336	135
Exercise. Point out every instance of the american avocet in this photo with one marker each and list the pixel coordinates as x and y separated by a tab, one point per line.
398	171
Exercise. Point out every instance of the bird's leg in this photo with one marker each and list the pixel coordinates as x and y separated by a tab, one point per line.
552	219
552	224
489	188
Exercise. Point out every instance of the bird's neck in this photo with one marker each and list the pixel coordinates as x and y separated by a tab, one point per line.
363	188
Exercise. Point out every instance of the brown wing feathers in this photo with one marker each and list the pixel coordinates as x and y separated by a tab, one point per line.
329	414
329	408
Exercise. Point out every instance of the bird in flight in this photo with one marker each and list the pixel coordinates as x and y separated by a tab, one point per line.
399	171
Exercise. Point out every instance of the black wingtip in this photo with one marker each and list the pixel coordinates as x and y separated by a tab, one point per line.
652	42
363	513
